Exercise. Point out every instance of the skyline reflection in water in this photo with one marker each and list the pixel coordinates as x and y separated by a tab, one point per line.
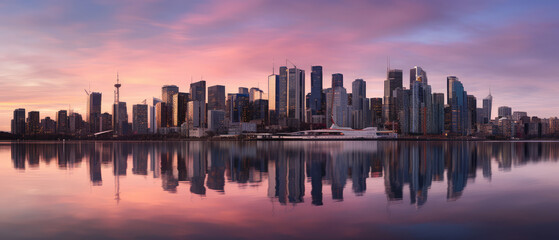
298	175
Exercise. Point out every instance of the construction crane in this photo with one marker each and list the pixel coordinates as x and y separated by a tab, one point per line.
87	92
287	60
145	101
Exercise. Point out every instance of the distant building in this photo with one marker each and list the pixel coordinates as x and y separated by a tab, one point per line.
256	94
120	121
216	121
18	122
273	99
196	114
505	111
282	96
216	98
180	105
106	122
259	110
360	106
62	122
438	112
516	115
33	122
393	81
243	90
457	99
198	94
140	119
93	109
296	94
160	116
472	114
48	126
376	111
75	123
152	116
337	80
238	107
417	72
167	93
487	104
315	99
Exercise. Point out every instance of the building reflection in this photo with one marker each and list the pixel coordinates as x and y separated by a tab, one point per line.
289	169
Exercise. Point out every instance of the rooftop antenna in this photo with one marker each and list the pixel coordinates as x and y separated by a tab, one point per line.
273	66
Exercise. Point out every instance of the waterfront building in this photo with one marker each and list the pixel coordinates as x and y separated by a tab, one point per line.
48	126
216	98
160	116
180	105
337	80
393	81
33	122
238	107
196	114
315	98
152	116
105	122
505	111
120	121
18	122
359	105
93	111
243	90
62	122
376	111
216	121
273	99
296	94
75	123
517	115
438	113
198	93
457	99
140	119
472	114
282	96
487	104
167	92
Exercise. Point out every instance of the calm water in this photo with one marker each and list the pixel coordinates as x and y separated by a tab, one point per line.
280	190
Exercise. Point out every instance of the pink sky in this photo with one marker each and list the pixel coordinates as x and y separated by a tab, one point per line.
51	50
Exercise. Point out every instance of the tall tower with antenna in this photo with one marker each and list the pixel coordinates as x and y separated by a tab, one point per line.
116	114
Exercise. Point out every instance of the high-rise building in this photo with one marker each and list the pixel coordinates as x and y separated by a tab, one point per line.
167	92
180	105
458	105
516	115
140	119
105	122
376	111
337	108
160	115
62	122
273	98
238	107
315	99
120	122
358	98
337	80
393	81
152	116
33	122
48	126
438	113
216	98
472	113
198	93
282	96
259	110
296	94
421	111
216	121
243	90
417	72
505	111
18	122
487	104
93	114
196	114
402	105
255	94
75	123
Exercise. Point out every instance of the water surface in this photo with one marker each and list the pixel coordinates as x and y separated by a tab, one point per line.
279	190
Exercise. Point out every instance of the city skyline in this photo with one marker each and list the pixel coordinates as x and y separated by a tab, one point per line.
69	47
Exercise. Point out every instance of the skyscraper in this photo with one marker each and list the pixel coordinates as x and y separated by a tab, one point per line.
376	111
505	111
438	112
93	109
152	116
273	98
458	106
180	105
198	93
216	98
417	72
315	100
33	122
167	92
120	122
282	96
337	80
421	103
487	107
62	122
238	107
243	90
358	98
296	94
255	94
160	115
140	119
472	113
393	81
18	122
